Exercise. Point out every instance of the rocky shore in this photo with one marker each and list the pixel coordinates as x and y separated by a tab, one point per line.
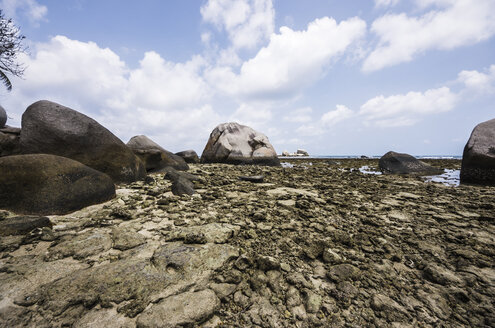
319	244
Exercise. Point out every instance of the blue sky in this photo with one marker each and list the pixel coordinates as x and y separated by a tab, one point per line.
330	76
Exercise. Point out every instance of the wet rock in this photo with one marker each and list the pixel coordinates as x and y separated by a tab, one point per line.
189	156
253	178
154	156
185	309
342	272
478	158
238	144
21	225
51	128
398	163
43	184
124	239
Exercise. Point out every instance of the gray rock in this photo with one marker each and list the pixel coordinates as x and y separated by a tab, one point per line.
10	141
154	156
182	186
124	239
21	225
3	117
398	163
43	184
233	143
342	272
186	309
50	128
478	158
80	246
190	156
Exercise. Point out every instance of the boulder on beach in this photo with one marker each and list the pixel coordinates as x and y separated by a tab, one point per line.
42	184
3	117
302	152
50	128
478	158
233	143
154	156
9	141
190	156
399	163
285	153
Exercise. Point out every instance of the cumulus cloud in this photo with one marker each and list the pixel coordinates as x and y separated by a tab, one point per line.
255	115
29	8
163	98
407	109
248	23
448	25
333	117
478	82
291	61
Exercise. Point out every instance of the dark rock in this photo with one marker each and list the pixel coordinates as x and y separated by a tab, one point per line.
9	141
253	178
47	184
478	158
3	117
398	163
189	156
233	143
51	128
172	174
154	156
21	225
181	186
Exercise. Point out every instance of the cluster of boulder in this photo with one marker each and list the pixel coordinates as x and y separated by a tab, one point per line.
61	160
299	152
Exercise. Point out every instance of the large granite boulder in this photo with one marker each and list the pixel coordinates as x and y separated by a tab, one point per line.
234	143
190	156
51	128
154	156
3	117
398	163
478	159
44	184
9	141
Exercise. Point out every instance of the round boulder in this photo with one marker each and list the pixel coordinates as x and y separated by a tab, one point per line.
190	156
50	128
3	117
233	143
154	156
478	158
398	163
9	141
42	184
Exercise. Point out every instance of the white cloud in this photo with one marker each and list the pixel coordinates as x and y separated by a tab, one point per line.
248	23
300	115
407	109
292	60
29	8
164	99
386	3
458	23
478	82
333	117
254	115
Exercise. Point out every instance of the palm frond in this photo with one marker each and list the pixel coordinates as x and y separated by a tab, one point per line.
5	81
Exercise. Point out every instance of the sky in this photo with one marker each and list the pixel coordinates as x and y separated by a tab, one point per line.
356	77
